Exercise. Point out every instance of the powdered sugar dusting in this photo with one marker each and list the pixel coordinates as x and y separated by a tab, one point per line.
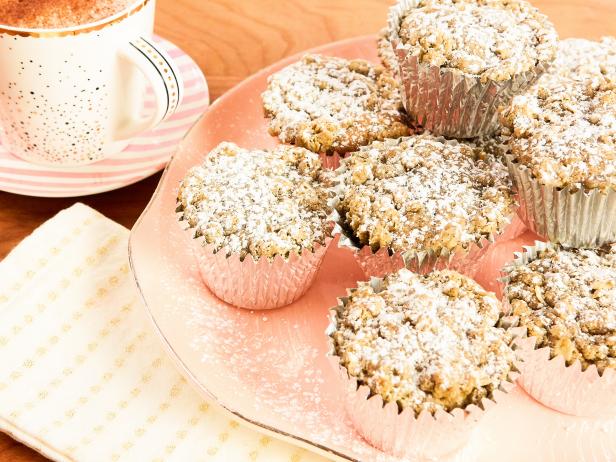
580	59
331	104
494	39
262	203
425	342
386	51
567	300
564	128
424	193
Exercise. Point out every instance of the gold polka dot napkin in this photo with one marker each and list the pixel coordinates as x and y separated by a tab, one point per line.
83	376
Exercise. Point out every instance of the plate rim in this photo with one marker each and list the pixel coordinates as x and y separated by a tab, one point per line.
202	389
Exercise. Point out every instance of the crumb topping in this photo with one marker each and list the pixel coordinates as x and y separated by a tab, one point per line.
567	300
425	342
493	39
262	203
581	59
386	52
496	145
564	130
424	193
328	104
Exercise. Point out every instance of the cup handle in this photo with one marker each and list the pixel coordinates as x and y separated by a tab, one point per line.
164	77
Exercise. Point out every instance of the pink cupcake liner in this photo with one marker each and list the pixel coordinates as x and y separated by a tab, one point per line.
331	161
259	284
402	433
567	389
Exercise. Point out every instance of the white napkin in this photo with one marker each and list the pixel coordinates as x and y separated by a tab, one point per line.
83	376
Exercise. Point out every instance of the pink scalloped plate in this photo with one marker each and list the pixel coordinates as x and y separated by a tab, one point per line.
269	368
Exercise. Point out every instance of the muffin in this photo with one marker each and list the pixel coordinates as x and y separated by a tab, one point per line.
420	345
563	148
262	221
566	299
421	202
460	60
577	59
333	106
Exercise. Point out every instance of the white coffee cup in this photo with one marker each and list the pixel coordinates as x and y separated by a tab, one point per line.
74	96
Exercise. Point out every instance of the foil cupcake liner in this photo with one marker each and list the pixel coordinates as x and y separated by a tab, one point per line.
331	161
570	217
568	389
515	229
383	261
261	284
550	381
465	260
402	433
258	284
450	102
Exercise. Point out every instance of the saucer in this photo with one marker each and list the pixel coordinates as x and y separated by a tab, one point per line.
144	156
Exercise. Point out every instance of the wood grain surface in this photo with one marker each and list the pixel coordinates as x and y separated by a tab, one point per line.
230	40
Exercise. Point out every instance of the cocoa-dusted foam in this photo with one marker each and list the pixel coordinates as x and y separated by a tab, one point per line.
55	14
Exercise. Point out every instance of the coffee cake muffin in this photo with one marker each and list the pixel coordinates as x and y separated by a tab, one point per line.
333	105
262	218
422	197
577	59
474	55
563	148
492	39
426	344
564	132
566	299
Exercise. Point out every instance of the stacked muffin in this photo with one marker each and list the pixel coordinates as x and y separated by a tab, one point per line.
459	61
422	347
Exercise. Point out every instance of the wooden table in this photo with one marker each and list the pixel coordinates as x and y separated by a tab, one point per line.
230	40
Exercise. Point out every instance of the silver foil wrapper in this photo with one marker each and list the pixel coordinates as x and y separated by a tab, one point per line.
331	161
402	433
261	284
467	261
550	381
258	284
382	262
450	102
568	389
571	217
